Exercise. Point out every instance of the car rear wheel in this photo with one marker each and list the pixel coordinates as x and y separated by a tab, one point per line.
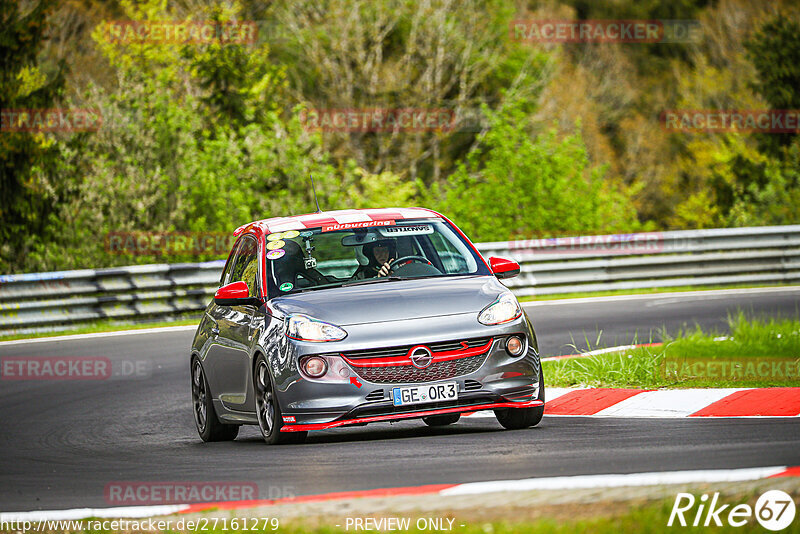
268	409
518	418
442	420
205	417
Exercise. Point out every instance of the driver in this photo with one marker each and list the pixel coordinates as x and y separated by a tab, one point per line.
380	254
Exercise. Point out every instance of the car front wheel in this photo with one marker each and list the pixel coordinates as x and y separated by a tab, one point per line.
518	418
205	417
268	409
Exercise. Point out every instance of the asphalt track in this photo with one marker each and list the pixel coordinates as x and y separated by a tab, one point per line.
62	442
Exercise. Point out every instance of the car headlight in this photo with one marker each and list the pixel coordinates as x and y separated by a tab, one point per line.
304	328
504	309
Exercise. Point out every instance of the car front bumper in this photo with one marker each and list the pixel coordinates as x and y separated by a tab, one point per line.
501	381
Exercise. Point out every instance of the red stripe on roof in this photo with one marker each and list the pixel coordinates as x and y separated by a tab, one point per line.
767	402
588	401
322	221
385	216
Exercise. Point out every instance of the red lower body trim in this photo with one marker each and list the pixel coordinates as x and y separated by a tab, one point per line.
409	415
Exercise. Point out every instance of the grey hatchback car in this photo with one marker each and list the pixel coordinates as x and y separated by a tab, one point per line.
357	316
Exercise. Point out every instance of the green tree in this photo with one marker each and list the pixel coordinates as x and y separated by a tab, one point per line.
517	186
29	189
774	50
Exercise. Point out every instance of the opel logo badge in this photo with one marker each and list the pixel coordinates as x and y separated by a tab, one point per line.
421	357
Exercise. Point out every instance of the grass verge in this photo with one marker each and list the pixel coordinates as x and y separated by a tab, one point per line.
757	353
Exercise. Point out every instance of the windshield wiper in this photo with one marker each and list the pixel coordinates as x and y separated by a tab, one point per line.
372	280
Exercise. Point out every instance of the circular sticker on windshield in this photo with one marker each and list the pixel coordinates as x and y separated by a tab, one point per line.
275	245
275	254
275	236
286	286
290	234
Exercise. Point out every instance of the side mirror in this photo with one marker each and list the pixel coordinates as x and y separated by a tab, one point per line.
235	294
503	268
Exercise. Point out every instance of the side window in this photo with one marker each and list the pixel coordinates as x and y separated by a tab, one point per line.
245	265
225	279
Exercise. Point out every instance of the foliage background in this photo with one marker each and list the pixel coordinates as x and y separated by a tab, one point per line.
203	138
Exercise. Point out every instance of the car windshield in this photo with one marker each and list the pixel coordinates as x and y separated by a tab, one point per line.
328	257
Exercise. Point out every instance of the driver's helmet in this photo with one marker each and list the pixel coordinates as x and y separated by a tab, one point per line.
390	243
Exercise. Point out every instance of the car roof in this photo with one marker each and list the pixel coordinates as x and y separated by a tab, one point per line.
346	218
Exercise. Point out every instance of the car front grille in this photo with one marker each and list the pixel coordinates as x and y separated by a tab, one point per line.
390	352
410	374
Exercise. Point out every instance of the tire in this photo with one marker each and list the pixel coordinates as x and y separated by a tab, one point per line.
519	418
268	409
442	420
205	417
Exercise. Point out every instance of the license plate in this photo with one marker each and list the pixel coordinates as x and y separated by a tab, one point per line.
426	393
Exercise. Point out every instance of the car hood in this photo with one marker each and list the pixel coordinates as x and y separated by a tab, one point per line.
394	300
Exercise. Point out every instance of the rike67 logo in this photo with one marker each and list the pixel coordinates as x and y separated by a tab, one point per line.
774	510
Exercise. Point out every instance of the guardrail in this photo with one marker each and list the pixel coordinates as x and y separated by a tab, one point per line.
763	255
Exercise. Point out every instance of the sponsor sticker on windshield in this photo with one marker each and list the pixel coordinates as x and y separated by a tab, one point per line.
411	229
354	225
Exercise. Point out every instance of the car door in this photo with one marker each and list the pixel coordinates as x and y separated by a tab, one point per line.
228	357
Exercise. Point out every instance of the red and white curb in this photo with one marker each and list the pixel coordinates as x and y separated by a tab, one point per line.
725	402
472	488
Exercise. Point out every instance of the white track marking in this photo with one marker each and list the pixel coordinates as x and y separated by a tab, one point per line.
678	294
72	337
613	481
666	403
596	352
84	513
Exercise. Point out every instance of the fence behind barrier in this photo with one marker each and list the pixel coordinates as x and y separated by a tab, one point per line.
732	256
